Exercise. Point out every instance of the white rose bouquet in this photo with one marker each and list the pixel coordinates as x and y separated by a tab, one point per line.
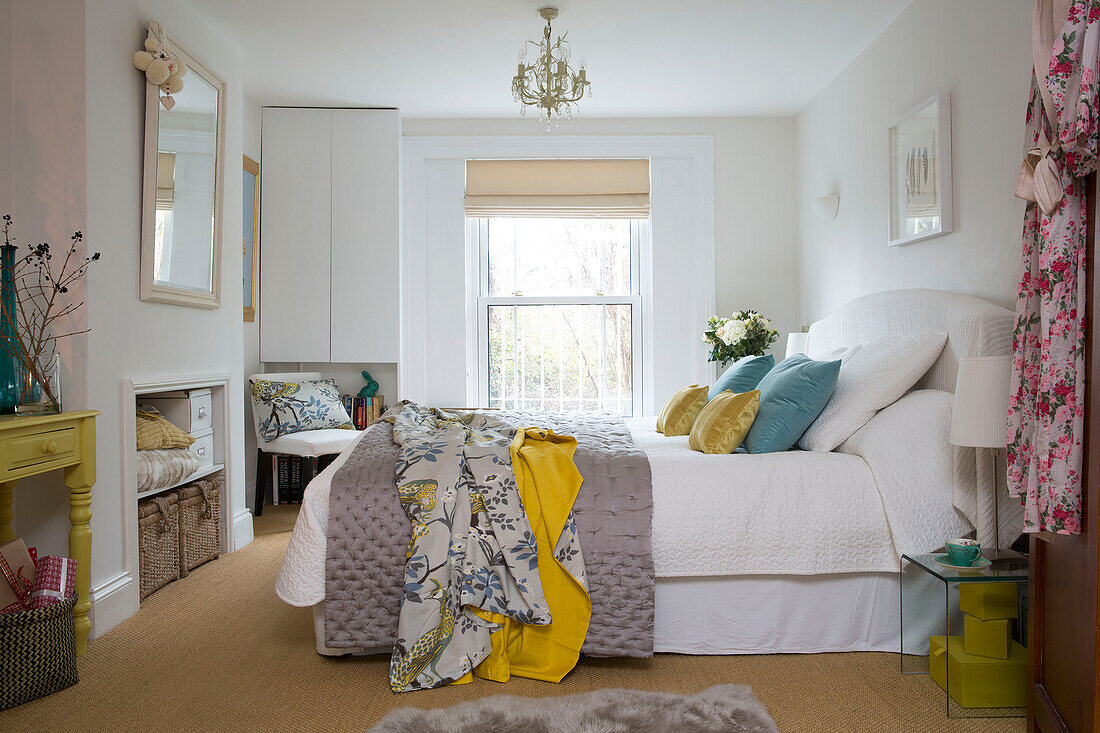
744	333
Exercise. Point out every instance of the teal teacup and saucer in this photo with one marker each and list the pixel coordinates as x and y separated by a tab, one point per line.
964	554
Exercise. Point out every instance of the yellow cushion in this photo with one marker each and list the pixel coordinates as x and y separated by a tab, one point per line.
156	433
680	412
724	422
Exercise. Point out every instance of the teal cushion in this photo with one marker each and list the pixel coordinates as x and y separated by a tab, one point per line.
791	397
743	375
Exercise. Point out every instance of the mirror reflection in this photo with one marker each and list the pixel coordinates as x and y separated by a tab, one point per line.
187	143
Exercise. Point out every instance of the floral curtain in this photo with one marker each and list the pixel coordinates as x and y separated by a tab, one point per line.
1046	404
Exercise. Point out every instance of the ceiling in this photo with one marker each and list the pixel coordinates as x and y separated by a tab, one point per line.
646	58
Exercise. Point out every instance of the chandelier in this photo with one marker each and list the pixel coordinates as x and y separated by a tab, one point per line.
549	82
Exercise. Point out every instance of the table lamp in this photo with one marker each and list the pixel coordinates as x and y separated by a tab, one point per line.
978	420
796	343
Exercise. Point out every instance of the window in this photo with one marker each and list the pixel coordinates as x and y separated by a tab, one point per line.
559	313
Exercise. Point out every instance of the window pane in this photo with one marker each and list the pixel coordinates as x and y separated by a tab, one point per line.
560	357
559	256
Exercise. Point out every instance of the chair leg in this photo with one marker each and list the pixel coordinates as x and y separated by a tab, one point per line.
263	478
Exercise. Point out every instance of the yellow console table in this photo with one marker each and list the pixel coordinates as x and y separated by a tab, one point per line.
35	444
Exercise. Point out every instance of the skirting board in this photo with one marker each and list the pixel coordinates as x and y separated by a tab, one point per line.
113	602
242	529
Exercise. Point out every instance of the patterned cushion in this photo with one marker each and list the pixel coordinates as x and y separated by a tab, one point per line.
154	432
724	422
681	411
282	408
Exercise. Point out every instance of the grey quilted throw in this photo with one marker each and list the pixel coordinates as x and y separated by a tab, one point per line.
368	534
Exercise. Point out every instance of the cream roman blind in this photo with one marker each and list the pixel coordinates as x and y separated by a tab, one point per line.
166	180
607	188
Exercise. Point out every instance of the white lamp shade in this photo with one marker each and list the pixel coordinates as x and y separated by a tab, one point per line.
796	344
980	413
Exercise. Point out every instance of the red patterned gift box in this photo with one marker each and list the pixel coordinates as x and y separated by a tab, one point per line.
16	576
54	581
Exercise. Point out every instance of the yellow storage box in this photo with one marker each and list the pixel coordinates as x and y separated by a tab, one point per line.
987	638
988	601
979	682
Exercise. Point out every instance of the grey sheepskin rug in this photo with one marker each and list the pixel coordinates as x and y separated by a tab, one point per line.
721	708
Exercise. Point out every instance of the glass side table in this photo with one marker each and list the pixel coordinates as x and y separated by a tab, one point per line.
930	607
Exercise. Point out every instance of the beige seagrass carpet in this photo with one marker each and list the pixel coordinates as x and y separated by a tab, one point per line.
217	651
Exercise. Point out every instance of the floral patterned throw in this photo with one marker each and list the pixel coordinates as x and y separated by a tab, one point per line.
1046	402
472	546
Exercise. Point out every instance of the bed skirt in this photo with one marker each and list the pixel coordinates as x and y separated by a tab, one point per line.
767	614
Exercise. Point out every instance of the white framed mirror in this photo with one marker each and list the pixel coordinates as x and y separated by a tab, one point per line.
182	189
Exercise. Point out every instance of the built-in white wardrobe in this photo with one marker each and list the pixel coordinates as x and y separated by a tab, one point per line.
329	227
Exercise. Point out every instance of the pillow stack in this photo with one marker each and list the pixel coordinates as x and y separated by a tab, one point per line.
816	404
874	377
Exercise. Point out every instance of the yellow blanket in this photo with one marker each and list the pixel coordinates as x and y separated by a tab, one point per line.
548	484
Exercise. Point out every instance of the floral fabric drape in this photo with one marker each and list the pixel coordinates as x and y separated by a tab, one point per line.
1046	403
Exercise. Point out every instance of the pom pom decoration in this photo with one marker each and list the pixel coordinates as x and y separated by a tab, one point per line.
142	59
157	73
162	69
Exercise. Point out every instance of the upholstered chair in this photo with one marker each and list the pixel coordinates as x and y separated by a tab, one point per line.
307	444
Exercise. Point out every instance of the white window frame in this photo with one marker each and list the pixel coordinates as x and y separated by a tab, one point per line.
477	237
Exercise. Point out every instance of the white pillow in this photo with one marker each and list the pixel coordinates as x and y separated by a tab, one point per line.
872	378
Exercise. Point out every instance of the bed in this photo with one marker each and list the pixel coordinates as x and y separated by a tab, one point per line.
786	552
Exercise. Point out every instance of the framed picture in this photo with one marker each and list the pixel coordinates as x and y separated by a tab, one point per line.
251	222
920	172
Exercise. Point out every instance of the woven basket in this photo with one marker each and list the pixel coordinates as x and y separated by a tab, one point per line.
37	653
158	541
200	523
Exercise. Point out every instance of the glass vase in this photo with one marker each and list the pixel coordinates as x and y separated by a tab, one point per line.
10	391
34	399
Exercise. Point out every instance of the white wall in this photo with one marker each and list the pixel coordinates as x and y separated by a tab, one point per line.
132	339
251	331
754	181
47	198
6	107
980	51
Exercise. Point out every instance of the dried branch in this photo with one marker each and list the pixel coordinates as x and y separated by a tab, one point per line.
39	289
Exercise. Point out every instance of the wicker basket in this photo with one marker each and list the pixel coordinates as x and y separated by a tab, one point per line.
37	653
158	541
200	523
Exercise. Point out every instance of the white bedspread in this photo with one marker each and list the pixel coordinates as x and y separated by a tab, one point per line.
886	491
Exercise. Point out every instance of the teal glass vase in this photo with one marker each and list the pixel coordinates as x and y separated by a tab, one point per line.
10	391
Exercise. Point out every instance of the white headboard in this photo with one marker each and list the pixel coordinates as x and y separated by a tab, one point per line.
974	327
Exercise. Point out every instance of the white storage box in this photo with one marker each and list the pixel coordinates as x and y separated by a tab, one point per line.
188	410
203	447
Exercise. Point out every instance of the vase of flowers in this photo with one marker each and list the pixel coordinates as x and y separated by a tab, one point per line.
27	320
744	333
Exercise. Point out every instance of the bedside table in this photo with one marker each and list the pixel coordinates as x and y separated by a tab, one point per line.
952	606
34	444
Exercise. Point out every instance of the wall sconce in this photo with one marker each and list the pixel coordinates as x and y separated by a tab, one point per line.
826	206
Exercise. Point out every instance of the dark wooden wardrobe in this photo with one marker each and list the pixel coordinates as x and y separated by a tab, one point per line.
1063	612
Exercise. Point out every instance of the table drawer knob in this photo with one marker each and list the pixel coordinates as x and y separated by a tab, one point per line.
202	412
49	446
